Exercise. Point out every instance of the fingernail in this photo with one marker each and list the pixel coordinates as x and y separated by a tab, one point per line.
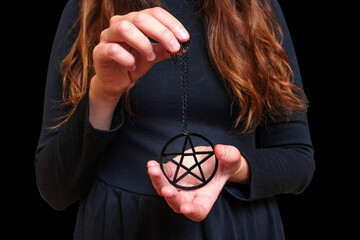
152	57
222	150
151	164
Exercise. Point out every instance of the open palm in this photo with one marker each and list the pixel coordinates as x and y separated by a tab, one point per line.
197	203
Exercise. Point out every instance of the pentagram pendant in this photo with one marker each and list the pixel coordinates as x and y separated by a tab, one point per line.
188	167
185	166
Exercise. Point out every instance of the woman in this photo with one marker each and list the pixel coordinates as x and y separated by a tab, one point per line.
112	102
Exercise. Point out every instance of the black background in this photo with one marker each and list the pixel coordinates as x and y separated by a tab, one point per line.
317	29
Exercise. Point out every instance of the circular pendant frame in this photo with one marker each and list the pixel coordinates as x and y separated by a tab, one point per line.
175	180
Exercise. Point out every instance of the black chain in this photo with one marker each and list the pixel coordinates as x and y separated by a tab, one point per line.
184	61
168	156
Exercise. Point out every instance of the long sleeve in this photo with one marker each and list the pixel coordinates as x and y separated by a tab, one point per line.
283	161
68	157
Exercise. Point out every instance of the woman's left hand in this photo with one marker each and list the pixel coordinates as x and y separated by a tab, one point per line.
196	204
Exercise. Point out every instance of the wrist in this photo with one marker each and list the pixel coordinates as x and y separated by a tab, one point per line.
102	97
101	106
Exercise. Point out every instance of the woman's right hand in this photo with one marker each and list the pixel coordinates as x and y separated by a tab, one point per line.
125	53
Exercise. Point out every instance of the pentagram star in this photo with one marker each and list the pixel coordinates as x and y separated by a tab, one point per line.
188	170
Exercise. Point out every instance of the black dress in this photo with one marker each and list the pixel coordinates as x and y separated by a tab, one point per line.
106	170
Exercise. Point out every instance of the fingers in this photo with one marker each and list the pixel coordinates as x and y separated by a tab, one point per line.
135	28
195	205
200	207
105	54
152	27
156	22
164	188
157	177
189	204
173	198
170	22
125	31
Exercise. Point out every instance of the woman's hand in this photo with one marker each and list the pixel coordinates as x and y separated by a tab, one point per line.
125	53
196	204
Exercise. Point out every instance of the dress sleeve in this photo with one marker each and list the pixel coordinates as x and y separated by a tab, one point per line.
284	160
67	158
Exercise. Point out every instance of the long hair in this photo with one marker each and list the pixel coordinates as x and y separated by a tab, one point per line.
244	44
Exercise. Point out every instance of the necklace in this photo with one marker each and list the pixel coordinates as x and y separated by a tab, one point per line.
189	167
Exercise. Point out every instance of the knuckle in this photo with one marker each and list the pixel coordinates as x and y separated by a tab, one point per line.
139	17
123	26
102	36
112	50
130	15
95	52
235	152
98	49
114	19
156	10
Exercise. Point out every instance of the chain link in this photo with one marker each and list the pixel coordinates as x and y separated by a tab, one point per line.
184	61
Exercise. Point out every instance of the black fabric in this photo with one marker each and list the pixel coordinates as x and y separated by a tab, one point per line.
106	170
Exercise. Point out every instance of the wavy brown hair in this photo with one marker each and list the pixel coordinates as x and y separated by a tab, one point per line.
244	44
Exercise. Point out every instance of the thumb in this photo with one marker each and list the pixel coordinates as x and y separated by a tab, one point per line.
229	157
